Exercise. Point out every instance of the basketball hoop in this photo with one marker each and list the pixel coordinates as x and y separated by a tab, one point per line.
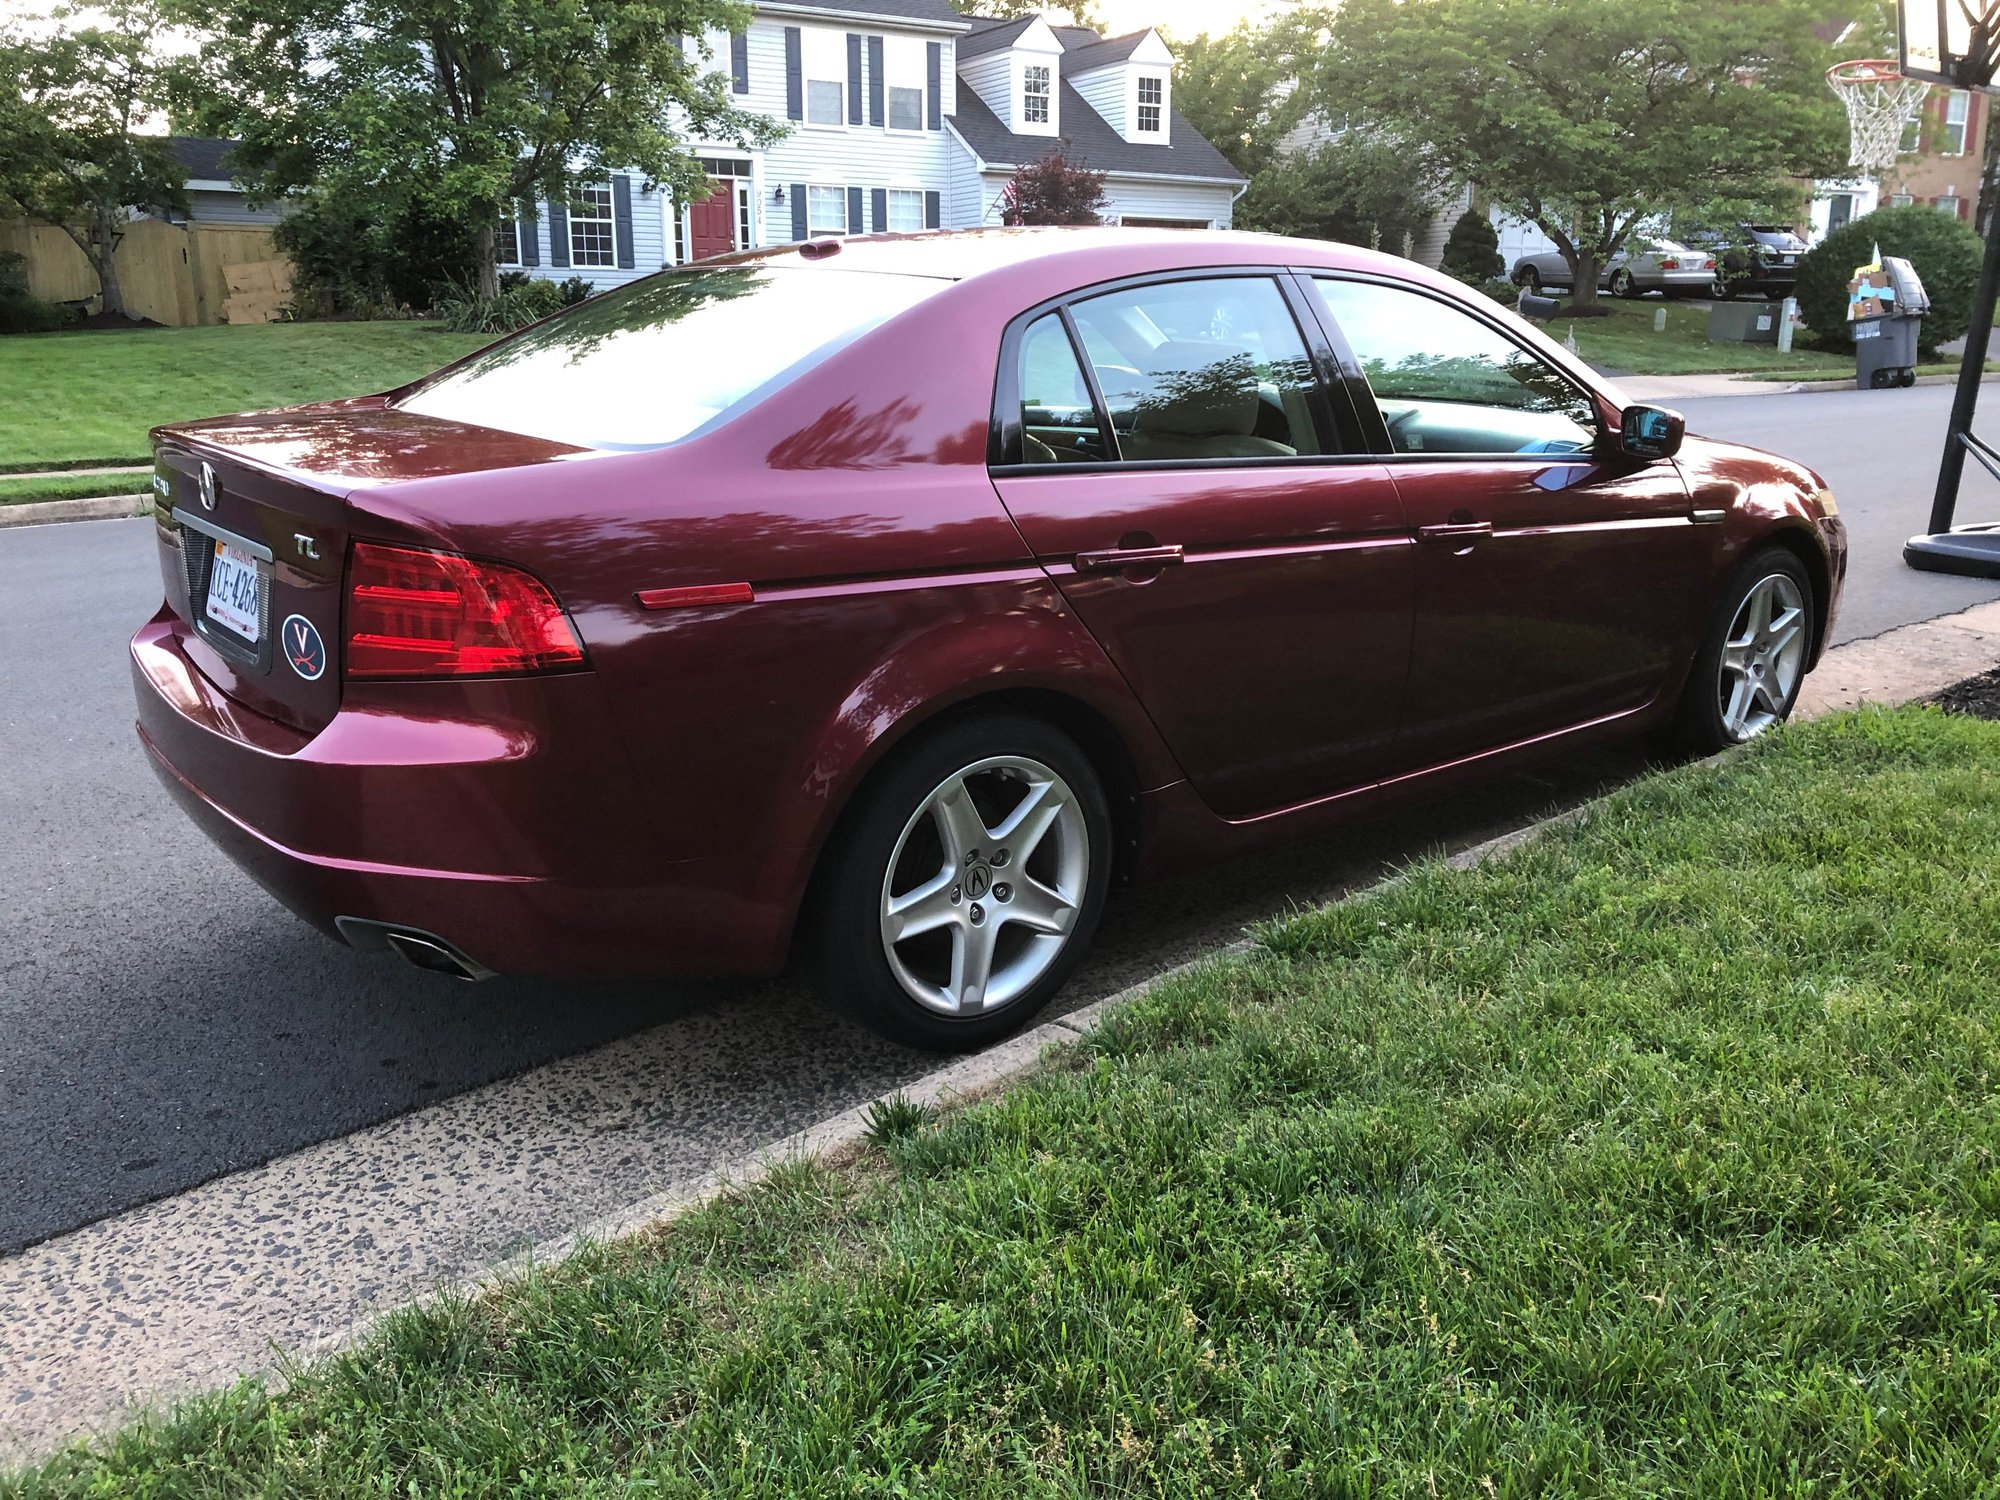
1880	101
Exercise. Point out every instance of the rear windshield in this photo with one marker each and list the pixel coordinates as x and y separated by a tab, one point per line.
650	363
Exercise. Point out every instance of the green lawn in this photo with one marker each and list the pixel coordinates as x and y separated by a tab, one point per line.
73	486
1658	1158
71	399
1626	341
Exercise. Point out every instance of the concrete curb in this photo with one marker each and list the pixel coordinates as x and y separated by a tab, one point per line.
99	508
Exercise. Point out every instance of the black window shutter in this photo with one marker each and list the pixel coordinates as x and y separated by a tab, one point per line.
558	233
933	211
879	209
933	83
795	88
621	221
854	78
798	210
854	224
874	80
739	62
531	250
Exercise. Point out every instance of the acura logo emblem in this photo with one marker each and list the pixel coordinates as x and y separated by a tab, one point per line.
207	485
976	881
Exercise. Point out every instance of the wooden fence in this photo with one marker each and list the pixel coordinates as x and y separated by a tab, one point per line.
175	274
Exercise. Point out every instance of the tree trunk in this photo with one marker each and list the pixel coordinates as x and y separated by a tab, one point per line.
104	237
489	268
1583	274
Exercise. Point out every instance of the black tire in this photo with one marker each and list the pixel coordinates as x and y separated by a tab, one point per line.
1622	284
1722	289
849	956
1907	378
1529	280
1698	727
1880	380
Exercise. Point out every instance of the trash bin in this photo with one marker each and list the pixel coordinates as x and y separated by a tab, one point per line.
1886	303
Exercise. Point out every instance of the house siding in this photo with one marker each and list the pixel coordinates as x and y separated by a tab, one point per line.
221	206
990	76
968	196
1105	90
1137	198
649	249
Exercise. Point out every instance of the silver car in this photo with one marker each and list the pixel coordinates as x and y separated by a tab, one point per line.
1654	265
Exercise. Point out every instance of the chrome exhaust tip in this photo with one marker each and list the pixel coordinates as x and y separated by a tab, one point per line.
419	949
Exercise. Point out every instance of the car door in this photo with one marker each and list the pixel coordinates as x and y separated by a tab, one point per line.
1558	581
1168	450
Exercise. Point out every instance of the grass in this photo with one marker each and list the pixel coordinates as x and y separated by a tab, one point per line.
73	486
1941	367
1658	1158
1626	341
77	399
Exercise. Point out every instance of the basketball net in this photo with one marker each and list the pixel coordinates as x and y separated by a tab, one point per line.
1880	102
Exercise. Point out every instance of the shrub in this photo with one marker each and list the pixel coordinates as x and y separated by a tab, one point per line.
575	290
21	311
1944	251
1472	250
529	301
362	260
1501	290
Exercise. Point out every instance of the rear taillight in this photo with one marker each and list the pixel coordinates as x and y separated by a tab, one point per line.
1670	264
1708	265
436	614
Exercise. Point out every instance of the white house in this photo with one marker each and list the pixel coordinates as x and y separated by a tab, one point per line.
901	115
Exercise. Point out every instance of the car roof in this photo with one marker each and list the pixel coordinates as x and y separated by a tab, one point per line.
1084	253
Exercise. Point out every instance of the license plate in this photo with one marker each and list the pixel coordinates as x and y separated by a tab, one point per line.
232	591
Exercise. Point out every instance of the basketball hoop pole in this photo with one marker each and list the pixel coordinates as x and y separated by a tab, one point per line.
1972	550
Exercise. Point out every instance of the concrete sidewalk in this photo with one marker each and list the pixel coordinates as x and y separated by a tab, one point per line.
190	1292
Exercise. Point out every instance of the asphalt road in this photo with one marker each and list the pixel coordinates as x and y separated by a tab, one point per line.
162	1021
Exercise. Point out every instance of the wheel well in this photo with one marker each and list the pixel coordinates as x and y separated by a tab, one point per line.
1791	539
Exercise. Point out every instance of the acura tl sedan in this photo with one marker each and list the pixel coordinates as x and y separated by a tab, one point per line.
886	601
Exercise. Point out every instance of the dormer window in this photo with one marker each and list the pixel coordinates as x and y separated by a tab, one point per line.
1152	92
1035	94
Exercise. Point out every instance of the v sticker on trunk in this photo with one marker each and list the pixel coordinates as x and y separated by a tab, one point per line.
303	647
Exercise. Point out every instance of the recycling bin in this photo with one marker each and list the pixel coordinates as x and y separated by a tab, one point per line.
1886	307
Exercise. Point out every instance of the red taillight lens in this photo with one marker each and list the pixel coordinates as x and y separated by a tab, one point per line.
436	614
1670	264
1708	265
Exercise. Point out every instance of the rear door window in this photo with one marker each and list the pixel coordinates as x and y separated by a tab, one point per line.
1058	419
1447	383
650	363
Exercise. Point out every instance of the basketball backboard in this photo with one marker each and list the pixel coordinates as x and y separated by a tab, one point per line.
1953	42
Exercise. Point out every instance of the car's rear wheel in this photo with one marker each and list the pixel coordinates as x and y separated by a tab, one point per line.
1529	280
1722	289
1752	665
1622	284
966	883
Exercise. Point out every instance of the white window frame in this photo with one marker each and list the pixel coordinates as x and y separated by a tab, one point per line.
911	199
1900	200
1140	104
1957	115
1032	96
904	68
587	195
822	59
814	229
1946	203
507	241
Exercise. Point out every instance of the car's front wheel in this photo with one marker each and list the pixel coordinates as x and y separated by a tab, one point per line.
965	884
1752	665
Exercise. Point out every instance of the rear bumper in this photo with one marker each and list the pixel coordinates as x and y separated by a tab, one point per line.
508	835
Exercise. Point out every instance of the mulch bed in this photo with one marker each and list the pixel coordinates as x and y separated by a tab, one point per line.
1978	697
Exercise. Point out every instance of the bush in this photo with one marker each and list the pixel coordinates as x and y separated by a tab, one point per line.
1472	250
575	290
357	260
528	301
1501	290
1944	251
21	311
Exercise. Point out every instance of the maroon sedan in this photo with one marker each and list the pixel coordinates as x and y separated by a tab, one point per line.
890	598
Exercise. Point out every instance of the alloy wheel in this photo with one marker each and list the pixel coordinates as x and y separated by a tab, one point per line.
985	885
1621	284
1763	657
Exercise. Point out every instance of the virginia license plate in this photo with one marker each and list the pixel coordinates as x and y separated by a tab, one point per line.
232	591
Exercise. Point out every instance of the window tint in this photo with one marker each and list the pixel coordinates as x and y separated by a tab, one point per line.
1447	383
647	363
1201	369
1058	422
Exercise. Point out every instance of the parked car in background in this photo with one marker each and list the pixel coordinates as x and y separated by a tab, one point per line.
889	600
1752	259
1651	265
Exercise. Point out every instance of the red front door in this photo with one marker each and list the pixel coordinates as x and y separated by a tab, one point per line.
712	224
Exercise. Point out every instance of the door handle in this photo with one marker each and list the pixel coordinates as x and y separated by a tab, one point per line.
1455	531
1114	558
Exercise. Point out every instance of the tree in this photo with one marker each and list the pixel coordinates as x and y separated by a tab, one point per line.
1588	119
71	99
1233	89
1472	250
1078	11
1053	190
1356	187
370	103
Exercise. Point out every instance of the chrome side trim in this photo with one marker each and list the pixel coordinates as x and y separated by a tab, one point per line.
257	550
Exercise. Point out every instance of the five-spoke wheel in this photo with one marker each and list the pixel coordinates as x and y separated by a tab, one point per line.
1753	663
965	883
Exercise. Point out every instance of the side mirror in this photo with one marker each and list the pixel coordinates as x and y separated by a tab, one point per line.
1651	431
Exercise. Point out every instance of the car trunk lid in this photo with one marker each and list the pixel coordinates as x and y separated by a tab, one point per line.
255	519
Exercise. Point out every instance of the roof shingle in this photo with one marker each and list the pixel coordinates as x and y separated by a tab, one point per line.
1089	141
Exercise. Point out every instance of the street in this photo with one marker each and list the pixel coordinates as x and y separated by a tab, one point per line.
165	1022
